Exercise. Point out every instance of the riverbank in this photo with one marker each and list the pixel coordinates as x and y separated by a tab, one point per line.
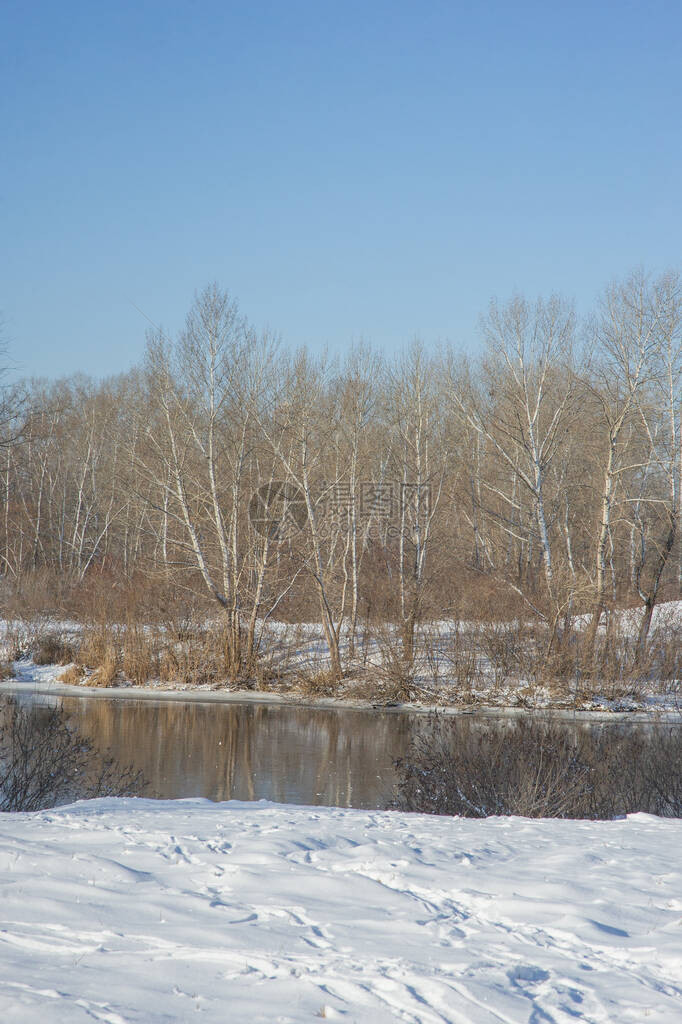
43	679
491	669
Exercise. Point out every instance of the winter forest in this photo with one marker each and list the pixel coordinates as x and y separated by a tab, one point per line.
533	479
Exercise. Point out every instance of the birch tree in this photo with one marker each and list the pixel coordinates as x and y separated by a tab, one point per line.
419	459
624	340
300	433
202	389
659	410
522	409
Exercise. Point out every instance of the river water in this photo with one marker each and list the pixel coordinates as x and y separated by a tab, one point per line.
223	751
342	758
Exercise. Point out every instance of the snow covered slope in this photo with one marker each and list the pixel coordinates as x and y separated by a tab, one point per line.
141	911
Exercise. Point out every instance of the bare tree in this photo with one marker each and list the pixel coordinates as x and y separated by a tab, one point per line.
624	339
202	391
659	408
299	432
419	459
521	410
360	463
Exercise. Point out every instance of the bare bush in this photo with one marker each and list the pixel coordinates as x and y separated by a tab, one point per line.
44	761
53	649
540	770
394	676
316	682
459	658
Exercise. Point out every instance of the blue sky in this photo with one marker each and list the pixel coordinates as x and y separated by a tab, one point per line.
347	170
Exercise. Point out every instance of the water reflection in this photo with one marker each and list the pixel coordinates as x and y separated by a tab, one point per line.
251	752
303	755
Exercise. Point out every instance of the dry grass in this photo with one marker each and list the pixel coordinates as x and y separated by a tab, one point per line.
71	675
510	660
100	652
94	646
182	653
316	683
105	675
140	661
198	659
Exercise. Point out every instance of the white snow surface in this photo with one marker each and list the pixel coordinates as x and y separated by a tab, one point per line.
144	911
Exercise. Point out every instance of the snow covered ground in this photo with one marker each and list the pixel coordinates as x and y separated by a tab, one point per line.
142	911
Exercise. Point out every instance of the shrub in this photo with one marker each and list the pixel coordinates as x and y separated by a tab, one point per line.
319	682
540	770
44	762
52	649
394	674
456	654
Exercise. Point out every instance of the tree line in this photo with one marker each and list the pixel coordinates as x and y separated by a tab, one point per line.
539	478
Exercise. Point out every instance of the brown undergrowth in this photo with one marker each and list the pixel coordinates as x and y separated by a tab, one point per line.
521	662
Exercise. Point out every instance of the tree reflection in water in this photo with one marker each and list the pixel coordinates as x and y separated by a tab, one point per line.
250	752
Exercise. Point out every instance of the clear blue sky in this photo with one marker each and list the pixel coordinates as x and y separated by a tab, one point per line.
347	170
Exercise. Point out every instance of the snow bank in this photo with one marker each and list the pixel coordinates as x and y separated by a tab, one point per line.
141	911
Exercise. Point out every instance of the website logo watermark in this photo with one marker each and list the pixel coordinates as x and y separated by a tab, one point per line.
279	509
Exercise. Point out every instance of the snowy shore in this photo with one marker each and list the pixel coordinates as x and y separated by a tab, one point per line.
43	680
435	687
127	911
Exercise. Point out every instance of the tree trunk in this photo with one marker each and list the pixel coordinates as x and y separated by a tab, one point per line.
652	593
